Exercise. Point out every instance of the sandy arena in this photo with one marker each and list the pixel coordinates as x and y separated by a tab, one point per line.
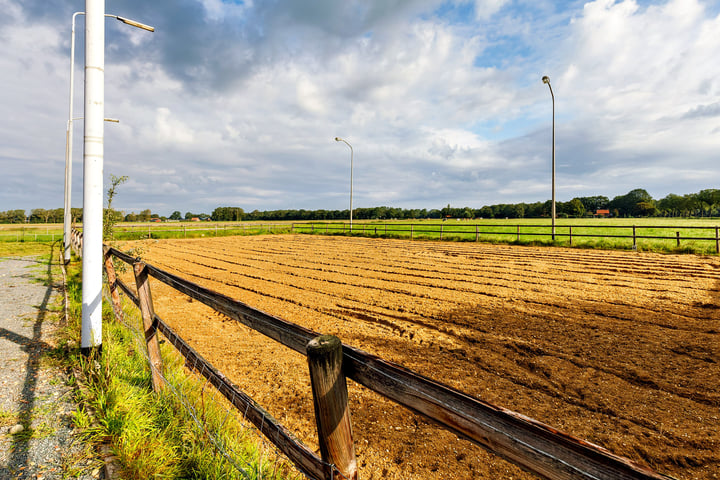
618	348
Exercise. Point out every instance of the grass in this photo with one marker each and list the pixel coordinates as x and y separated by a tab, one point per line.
21	249
696	235
153	434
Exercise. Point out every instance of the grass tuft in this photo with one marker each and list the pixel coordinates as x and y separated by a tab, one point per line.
153	434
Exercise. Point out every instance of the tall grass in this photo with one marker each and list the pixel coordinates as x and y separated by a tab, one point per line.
181	432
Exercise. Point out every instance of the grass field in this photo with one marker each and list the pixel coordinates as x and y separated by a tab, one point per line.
696	235
670	235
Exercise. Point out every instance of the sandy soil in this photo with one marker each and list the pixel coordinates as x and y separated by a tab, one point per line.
619	348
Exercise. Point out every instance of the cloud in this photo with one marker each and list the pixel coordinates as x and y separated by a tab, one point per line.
239	102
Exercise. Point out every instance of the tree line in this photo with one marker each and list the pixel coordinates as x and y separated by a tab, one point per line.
636	203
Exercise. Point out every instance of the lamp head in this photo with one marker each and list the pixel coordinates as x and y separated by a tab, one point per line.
338	139
546	79
135	24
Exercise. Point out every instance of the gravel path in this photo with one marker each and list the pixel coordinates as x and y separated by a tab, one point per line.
36	405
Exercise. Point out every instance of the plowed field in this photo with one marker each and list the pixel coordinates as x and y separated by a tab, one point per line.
619	348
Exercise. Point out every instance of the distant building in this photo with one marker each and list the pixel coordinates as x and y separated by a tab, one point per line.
194	219
602	213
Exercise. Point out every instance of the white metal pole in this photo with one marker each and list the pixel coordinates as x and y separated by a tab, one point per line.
338	139
91	335
546	80
67	220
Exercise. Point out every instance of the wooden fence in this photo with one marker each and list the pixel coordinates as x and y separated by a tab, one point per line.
532	445
518	231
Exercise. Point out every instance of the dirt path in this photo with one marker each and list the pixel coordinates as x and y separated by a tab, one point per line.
619	348
37	439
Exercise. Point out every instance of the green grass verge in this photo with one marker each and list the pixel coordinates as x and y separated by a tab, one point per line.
155	435
21	249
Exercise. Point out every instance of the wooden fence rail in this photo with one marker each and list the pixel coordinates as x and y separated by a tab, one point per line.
528	443
303	458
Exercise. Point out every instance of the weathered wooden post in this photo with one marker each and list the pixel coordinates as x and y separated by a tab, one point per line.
634	247
112	284
441	231
677	234
518	234
148	316
330	398
717	240
411	231
570	235
477	233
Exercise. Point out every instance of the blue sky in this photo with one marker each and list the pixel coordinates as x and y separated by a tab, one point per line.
237	103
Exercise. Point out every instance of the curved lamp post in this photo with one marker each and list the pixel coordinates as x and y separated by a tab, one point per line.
67	217
338	139
546	80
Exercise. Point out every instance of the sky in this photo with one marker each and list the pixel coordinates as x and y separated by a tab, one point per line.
237	103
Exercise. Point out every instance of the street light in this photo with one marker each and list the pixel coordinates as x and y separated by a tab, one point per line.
546	79
67	218
338	139
93	150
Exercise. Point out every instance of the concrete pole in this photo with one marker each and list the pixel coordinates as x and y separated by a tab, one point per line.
91	335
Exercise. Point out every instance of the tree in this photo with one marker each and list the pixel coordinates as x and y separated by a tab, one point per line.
575	208
39	215
629	204
145	215
176	215
110	216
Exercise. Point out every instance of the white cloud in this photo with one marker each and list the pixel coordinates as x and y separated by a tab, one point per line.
241	101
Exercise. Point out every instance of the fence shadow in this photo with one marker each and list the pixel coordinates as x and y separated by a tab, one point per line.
34	347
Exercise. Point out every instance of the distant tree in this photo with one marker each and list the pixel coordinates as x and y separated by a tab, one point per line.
628	205
593	204
144	216
176	215
39	215
58	215
575	208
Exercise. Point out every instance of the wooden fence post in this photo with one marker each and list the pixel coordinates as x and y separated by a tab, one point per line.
717	240
571	235
634	247
441	231
148	316
112	285
677	234
518	234
324	354
411	231
477	233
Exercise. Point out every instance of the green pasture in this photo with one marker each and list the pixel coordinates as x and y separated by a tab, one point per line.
696	235
195	230
31	232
